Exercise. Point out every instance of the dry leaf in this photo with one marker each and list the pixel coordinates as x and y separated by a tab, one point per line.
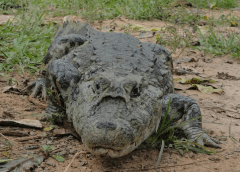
12	89
143	35
48	128
139	27
207	89
193	80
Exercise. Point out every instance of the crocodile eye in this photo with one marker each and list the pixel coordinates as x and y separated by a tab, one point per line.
102	84
135	92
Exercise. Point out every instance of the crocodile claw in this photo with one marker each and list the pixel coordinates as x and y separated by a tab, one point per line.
37	86
200	137
205	139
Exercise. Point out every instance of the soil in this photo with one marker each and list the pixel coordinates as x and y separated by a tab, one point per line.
5	18
221	119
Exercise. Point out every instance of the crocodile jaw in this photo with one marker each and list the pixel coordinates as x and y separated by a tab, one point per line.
111	152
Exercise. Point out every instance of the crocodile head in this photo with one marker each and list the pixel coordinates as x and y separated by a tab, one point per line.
116	105
115	113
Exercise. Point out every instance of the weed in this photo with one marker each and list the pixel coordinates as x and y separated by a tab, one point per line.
47	150
8	146
173	39
218	44
215	3
165	134
10	81
6	4
24	41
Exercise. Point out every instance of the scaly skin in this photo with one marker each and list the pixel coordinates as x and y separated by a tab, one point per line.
115	89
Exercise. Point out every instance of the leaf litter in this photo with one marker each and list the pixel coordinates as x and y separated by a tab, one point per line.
203	85
222	75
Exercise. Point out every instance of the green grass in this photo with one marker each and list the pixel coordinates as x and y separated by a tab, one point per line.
167	133
24	41
219	44
7	4
216	3
107	9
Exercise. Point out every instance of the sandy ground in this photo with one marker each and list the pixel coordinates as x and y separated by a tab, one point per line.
221	119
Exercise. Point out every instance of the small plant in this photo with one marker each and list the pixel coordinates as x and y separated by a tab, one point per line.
214	3
59	158
166	134
10	81
8	146
127	29
24	42
218	44
7	4
47	150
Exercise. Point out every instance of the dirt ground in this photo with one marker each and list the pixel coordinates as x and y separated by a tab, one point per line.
221	120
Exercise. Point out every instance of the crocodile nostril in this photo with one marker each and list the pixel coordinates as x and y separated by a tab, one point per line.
106	125
119	90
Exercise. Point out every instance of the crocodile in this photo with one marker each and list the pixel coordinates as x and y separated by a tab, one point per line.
114	89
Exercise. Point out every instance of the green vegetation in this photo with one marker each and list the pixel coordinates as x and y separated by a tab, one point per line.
133	9
24	41
218	44
7	4
173	138
215	3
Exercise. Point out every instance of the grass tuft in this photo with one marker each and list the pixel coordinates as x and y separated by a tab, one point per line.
24	41
217	3
219	44
167	134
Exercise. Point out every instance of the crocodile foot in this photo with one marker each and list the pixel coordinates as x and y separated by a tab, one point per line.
37	86
201	138
53	114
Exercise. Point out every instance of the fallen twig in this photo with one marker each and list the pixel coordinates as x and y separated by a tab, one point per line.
28	138
230	128
6	138
230	136
72	161
3	80
21	123
206	107
160	154
15	133
37	102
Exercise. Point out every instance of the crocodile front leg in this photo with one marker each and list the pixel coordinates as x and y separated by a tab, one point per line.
186	108
61	73
60	47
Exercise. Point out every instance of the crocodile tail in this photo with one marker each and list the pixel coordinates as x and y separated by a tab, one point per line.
72	27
